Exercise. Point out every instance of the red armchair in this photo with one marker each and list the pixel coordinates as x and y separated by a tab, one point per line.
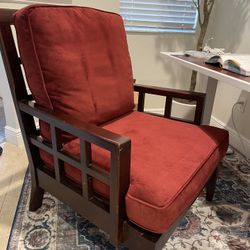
132	174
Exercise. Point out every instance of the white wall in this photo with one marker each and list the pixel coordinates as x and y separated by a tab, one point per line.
107	5
149	67
230	25
12	130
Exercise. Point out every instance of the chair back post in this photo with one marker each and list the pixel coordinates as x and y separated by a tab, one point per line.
17	87
6	16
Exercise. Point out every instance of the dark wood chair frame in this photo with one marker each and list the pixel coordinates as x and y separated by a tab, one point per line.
110	215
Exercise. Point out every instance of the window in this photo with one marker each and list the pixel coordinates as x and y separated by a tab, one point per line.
159	15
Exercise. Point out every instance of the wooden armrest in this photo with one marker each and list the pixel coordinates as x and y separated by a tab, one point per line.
182	94
197	97
83	130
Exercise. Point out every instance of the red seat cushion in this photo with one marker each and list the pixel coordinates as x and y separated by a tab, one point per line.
76	61
170	163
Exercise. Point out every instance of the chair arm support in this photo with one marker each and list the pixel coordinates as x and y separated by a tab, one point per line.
182	94
198	98
90	132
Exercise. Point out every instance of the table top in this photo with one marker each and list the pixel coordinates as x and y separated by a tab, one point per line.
199	65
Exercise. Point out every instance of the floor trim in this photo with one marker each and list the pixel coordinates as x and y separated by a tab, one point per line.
14	136
233	137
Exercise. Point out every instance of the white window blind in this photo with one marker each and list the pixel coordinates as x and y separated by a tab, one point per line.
159	15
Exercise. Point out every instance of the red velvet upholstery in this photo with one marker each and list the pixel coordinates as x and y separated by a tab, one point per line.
75	58
170	162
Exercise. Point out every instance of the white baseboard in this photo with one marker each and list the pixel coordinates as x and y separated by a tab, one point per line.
13	136
234	138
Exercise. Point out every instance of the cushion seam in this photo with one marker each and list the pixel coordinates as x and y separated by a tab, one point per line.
37	58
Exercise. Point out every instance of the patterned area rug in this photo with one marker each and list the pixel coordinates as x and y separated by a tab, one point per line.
221	224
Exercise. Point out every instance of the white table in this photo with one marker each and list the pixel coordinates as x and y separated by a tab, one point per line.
214	74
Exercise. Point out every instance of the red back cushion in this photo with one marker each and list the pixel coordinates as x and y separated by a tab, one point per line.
76	61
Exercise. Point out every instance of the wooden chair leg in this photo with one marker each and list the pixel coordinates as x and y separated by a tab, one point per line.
36	197
210	186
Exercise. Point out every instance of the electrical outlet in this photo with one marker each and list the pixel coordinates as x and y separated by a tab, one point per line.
241	107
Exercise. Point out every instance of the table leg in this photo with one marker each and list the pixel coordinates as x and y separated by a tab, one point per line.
209	100
209	103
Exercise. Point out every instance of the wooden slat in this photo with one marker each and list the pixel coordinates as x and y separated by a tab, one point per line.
38	142
71	160
168	107
85	155
170	94
100	175
56	145
93	171
141	101
30	98
76	201
198	111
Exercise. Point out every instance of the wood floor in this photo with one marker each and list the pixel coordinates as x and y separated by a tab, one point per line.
13	165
